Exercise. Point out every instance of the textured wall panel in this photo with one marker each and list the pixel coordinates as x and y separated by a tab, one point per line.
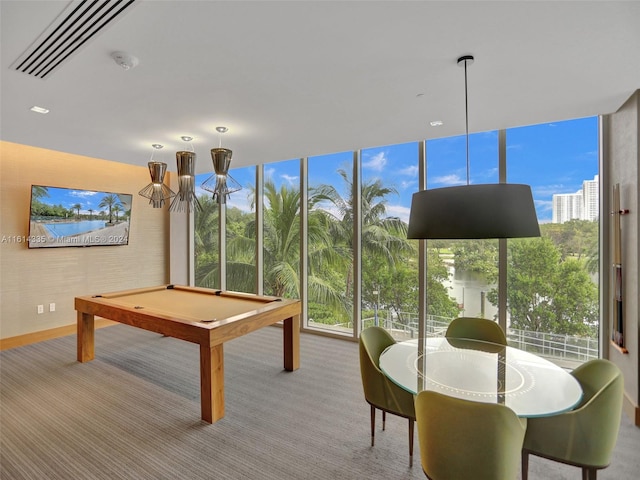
31	277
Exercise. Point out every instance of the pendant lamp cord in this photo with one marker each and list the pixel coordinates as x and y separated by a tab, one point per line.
466	116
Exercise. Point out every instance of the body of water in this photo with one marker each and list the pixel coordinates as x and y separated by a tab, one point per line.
64	229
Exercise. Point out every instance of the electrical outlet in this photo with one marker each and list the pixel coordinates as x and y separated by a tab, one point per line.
40	308
52	307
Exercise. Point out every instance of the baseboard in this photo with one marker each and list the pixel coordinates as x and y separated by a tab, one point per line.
631	409
35	337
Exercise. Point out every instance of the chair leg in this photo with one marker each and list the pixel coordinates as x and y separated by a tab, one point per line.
411	424
373	424
525	465
384	419
589	473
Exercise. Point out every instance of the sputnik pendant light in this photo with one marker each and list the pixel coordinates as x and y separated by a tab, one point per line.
221	183
157	192
186	200
502	210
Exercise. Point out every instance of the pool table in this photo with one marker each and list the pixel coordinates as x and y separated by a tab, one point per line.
198	315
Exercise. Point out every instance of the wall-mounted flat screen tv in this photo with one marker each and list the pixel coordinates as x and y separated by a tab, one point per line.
70	217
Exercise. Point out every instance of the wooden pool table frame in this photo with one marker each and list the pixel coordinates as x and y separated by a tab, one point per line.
210	335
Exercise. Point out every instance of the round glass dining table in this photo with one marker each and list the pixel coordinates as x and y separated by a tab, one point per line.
484	372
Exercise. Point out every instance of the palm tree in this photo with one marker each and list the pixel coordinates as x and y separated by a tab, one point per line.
206	243
77	207
281	248
117	208
382	235
90	214
39	208
38	192
110	201
329	241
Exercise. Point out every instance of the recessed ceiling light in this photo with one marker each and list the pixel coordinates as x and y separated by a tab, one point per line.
37	109
436	123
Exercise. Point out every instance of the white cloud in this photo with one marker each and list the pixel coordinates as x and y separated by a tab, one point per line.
240	201
409	184
544	205
452	179
290	179
411	171
489	173
547	190
399	211
377	162
82	193
268	172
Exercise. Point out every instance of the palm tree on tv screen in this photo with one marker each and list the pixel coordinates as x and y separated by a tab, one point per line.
38	191
109	201
117	209
77	208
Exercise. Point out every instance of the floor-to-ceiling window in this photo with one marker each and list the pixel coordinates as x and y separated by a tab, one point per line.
461	272
281	229
240	235
357	206
552	282
241	271
389	261
206	241
330	243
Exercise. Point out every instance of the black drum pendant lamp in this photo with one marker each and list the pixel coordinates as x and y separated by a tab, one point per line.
502	210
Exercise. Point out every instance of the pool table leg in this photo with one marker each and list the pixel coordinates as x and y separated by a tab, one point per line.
291	340
86	336
212	382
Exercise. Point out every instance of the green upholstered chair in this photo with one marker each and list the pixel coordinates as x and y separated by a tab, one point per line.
476	329
585	436
461	439
380	392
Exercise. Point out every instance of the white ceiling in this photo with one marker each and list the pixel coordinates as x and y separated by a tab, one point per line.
303	78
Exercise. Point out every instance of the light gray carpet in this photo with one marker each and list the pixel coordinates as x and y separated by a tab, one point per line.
134	413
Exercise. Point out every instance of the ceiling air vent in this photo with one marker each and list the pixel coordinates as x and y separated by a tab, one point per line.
75	26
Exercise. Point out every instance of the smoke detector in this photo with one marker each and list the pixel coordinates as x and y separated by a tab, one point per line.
125	60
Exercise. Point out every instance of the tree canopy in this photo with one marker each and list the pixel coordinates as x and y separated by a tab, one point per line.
549	288
546	293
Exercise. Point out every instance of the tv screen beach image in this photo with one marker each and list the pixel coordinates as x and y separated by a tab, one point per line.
66	217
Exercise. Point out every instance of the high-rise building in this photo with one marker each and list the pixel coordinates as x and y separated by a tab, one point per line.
566	206
582	205
590	199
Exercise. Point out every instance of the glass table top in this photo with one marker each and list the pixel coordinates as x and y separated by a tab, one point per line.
484	372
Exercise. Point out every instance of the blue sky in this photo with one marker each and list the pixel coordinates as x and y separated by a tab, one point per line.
552	158
89	199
